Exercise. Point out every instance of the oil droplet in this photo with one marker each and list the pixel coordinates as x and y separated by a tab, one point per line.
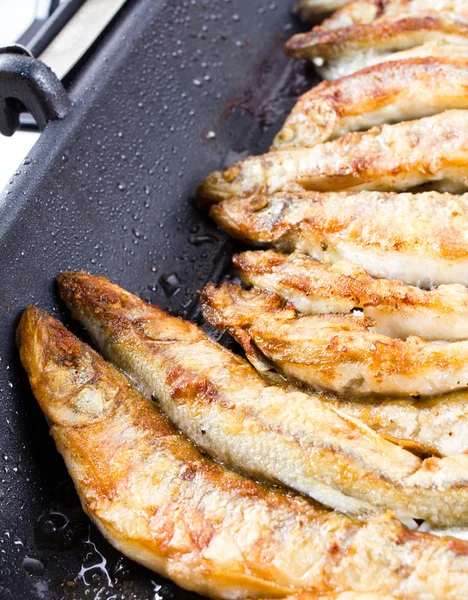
156	588
101	566
33	566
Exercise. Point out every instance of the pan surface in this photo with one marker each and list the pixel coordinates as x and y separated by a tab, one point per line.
174	90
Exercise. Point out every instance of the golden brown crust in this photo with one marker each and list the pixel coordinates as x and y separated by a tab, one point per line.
107	452
385	93
384	34
399	309
230	412
418	238
162	503
339	352
435	426
387	158
366	11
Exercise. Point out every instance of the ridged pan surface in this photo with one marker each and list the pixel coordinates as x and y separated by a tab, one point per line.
172	91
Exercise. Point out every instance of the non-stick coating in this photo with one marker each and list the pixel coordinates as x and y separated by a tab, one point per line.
173	91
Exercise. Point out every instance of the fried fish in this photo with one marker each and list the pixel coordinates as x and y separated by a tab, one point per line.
343	50
385	93
229	411
366	11
159	501
399	310
386	158
430	426
421	239
162	503
336	352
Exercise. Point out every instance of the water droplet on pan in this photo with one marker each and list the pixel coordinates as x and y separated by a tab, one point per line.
170	283
33	566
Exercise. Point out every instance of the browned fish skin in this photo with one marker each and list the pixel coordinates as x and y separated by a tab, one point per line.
384	93
384	35
420	239
386	158
336	352
366	11
157	499
399	310
162	503
229	411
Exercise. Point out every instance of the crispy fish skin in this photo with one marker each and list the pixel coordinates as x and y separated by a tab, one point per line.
335	352
385	93
198	383
400	310
387	158
219	401
345	50
162	503
420	239
366	11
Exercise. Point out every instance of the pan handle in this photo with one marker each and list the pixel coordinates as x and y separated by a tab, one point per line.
27	84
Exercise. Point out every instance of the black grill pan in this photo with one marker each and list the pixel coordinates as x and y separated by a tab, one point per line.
173	90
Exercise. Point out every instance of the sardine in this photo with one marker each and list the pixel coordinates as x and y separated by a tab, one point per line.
367	11
340	51
159	501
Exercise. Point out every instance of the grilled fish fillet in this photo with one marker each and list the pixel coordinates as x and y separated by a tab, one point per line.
342	51
388	158
160	502
399	310
421	239
229	411
336	352
385	93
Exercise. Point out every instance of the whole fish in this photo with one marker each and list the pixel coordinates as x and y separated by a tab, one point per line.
336	352
387	158
229	411
367	11
385	93
420	239
399	310
338	49
159	501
